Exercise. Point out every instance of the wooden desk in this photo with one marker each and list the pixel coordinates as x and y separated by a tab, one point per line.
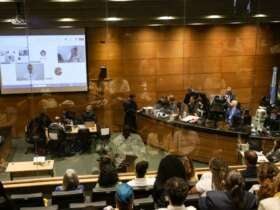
75	129
28	168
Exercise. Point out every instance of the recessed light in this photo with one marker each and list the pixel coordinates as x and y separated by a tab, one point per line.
275	21
260	15
66	19
8	20
65	0
65	26
214	16
155	24
20	27
7	1
112	19
166	18
235	22
196	24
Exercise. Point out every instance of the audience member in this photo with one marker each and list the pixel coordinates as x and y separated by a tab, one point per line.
214	180
141	180
233	198
170	166
124	198
70	182
266	174
176	190
272	203
108	175
89	114
251	160
187	162
5	202
274	154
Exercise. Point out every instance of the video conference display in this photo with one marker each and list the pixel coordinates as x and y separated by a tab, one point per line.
45	62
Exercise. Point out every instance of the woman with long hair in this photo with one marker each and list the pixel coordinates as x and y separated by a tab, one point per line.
233	198
70	182
170	166
272	203
214	179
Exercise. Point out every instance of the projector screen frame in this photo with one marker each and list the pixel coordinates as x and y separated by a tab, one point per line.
71	31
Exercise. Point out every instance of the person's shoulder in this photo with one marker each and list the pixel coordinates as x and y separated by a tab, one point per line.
190	208
270	203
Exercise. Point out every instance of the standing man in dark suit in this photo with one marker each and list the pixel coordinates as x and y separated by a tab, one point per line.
130	109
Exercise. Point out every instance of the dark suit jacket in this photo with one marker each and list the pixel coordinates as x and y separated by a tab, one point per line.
250	172
217	200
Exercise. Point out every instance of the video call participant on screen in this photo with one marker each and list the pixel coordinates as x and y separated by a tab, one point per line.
130	110
74	55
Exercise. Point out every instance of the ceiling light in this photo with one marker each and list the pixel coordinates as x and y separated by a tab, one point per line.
8	20
166	18
196	24
260	15
66	19
64	0
155	24
20	27
65	26
214	16
120	0
7	1
235	22
275	21
112	19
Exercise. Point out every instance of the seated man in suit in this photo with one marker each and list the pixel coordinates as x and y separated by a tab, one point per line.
233	112
251	160
89	114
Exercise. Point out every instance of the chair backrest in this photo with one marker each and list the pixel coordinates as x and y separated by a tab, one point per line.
40	208
55	132
28	200
104	194
143	203
249	182
64	198
88	206
192	200
142	192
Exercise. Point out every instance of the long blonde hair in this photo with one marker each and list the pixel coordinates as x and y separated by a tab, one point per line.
70	180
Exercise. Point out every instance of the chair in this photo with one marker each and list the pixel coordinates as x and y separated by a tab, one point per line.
55	136
64	198
249	182
40	208
27	200
192	200
143	204
104	194
84	139
142	192
88	206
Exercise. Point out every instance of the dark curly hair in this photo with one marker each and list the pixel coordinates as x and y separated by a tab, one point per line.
177	190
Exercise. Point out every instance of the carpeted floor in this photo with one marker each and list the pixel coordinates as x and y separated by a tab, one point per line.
82	163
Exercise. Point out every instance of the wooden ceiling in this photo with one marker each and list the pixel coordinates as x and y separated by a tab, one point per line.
90	13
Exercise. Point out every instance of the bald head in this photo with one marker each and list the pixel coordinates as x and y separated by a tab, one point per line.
251	157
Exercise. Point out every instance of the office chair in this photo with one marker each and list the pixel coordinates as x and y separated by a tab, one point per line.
27	200
104	194
64	198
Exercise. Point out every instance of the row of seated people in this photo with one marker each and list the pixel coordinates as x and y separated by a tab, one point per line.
218	189
38	129
196	104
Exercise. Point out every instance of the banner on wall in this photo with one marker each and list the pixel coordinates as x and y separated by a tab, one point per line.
273	86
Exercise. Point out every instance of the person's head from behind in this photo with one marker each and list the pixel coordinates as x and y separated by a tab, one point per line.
266	174
141	169
251	158
235	186
108	175
219	170
187	162
132	97
70	180
170	166
124	197
89	108
176	190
